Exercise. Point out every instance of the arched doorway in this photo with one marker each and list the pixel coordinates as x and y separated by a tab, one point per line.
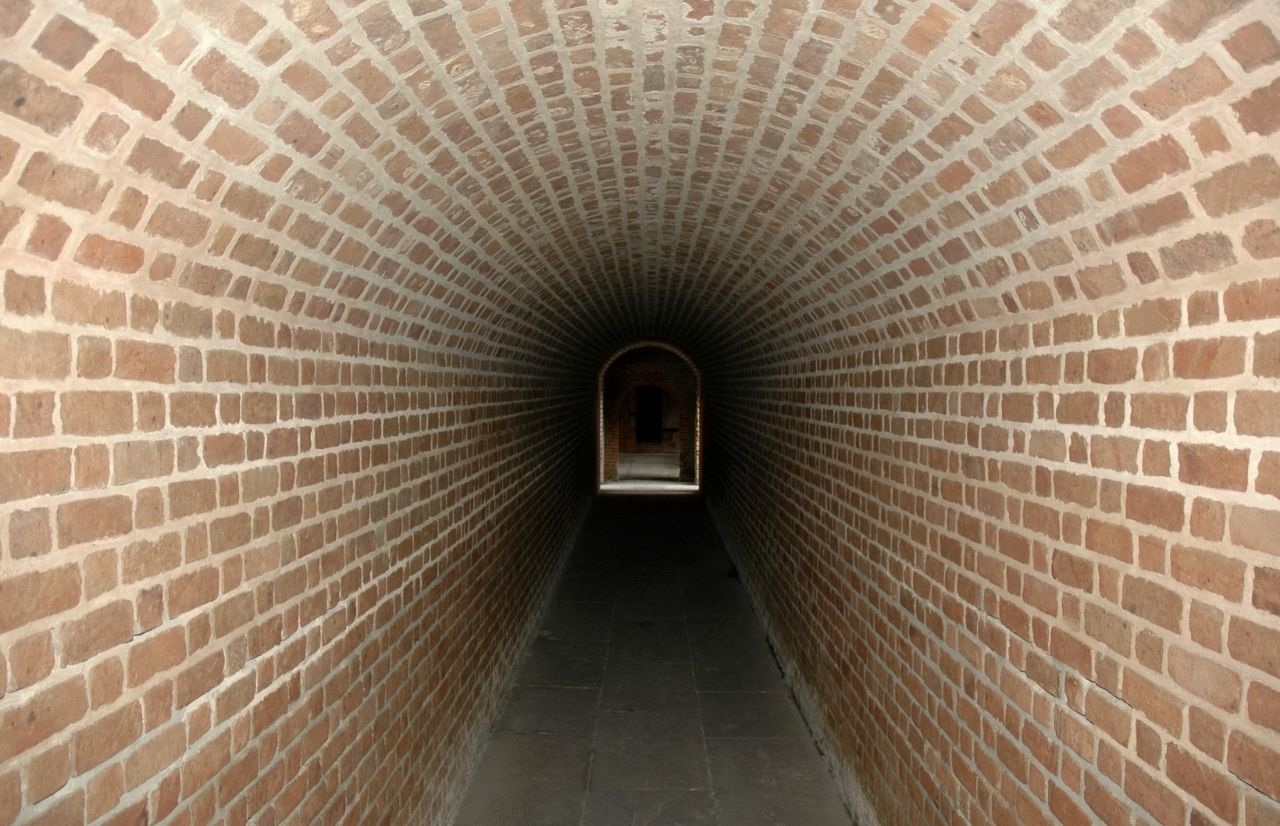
649	419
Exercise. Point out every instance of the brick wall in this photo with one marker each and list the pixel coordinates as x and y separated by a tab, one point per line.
260	406
1012	515
303	304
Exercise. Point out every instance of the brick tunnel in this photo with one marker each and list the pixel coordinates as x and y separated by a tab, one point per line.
304	303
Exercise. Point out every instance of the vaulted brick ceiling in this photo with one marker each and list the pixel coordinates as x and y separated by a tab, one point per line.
706	171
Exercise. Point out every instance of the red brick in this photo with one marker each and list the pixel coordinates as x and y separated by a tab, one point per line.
1202	254
35	101
34	355
1091	83
155	754
1255	645
193	409
12	15
1208	358
1145	219
1264	706
32	473
1211	787
81	304
27	597
155	653
1073	150
178	224
1205	678
1255	763
235	144
224	79
142	361
302	133
96	413
31	660
1185	20
88	520
75	186
1259	112
1213	466
64	42
23	295
1256	413
1182	87
1112	366
47	772
29	533
192	497
1153	602
131	84
1253	46
1262	239
133	16
1210	571
44	715
107	737
198	680
161	162
1153	506
133	461
1001	22
1240	186
1150	162
102	253
1252	300
191	590
96	631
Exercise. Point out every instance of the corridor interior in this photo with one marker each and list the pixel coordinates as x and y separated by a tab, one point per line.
307	310
650	694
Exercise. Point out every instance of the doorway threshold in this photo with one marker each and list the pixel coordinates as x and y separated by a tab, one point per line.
647	486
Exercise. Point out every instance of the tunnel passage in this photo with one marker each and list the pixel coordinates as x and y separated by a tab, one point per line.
650	417
303	306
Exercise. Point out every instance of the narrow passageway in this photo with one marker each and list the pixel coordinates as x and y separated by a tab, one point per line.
650	695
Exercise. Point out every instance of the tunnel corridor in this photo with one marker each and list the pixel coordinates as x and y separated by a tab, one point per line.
305	303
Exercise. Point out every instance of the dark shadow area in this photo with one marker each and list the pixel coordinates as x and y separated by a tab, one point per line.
650	694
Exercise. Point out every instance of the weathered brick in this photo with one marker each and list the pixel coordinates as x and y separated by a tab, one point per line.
91	519
44	715
155	653
1258	111
224	79
96	631
36	101
107	737
96	413
31	473
131	84
1182	87
66	183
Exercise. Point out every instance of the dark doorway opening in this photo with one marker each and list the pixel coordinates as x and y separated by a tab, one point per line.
649	415
649	408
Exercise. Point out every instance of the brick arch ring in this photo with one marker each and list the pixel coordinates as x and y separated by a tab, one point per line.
645	344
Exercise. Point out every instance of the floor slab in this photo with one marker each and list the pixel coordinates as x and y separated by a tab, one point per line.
650	694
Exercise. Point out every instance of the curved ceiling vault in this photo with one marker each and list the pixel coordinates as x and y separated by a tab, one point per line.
705	171
709	170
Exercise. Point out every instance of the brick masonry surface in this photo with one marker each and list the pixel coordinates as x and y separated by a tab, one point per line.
303	303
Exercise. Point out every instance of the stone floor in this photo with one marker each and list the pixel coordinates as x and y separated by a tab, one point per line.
664	466
649	695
